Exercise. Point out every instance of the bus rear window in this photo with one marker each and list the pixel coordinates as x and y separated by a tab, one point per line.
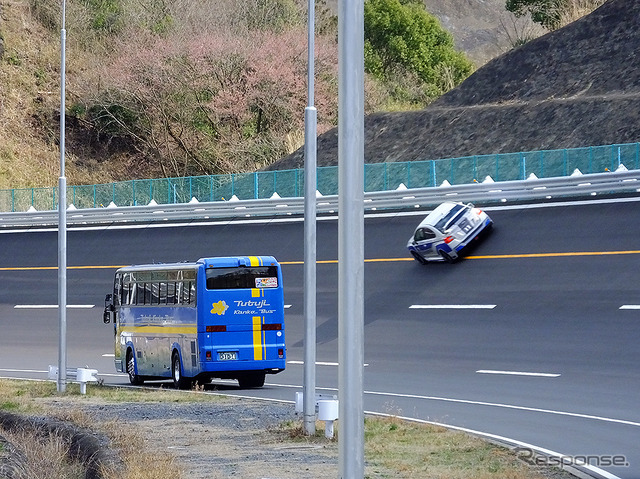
242	277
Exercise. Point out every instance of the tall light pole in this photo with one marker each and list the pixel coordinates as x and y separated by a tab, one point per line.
351	237
62	222
310	132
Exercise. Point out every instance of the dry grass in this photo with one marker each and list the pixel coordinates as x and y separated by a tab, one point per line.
30	102
44	457
27	89
145	465
577	9
422	450
393	447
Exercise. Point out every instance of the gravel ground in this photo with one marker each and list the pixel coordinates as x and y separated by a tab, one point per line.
230	438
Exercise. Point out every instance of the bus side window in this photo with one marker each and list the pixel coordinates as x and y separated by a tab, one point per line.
132	294
141	291
171	293
186	292
192	295
155	293
189	292
179	292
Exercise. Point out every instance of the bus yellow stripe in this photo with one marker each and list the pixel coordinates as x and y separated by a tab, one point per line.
254	261
257	338
256	292
164	330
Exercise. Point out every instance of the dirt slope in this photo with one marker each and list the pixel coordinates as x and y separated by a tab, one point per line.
577	86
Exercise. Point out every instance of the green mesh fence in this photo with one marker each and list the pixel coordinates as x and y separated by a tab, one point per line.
290	183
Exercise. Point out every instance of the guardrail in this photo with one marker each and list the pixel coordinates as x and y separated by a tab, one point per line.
621	181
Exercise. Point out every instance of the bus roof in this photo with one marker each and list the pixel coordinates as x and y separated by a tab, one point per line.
215	262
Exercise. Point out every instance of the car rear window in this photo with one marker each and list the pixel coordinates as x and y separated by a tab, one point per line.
451	217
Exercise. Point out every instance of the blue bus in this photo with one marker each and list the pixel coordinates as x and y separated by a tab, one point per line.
215	318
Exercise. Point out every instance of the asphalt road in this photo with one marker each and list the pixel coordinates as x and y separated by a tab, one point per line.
547	287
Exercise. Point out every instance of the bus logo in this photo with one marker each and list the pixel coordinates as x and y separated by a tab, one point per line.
219	308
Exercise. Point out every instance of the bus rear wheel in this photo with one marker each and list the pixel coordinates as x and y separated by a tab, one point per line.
251	380
131	370
179	381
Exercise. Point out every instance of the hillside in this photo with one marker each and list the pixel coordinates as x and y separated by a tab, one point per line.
107	73
577	86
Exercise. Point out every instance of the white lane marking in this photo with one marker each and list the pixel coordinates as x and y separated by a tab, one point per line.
318	363
452	306
518	373
488	404
287	306
53	306
630	306
509	406
22	371
109	355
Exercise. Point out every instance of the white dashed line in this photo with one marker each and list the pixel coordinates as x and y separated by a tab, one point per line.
518	373
452	306
53	306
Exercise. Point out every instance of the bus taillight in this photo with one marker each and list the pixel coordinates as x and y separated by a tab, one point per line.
218	328
280	353
271	327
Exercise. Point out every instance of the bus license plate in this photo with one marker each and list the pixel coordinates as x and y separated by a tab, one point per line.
227	356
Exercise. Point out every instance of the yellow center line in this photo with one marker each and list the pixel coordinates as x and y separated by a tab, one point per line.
371	260
553	255
39	268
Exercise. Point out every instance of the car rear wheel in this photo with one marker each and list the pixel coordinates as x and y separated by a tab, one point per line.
446	256
418	258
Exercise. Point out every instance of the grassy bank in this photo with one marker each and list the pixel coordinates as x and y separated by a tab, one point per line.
393	447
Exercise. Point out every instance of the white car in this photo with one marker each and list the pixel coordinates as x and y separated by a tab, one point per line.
446	231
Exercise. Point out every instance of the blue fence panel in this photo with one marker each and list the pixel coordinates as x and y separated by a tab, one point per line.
397	174
421	174
200	188
266	184
375	177
578	159
554	163
327	180
628	155
24	199
44	199
509	167
221	187
486	165
7	200
290	183
463	171
123	193
245	186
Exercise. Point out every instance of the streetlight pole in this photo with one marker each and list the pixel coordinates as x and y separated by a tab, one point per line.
310	132
351	237
62	222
